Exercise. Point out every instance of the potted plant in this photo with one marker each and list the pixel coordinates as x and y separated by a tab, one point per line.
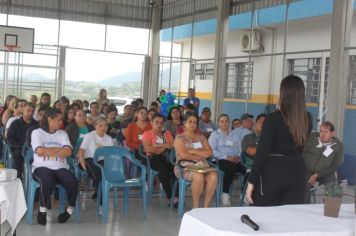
332	199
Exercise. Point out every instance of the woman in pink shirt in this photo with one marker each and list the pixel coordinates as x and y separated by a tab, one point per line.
157	143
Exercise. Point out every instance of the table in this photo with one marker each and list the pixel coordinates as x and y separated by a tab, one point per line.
282	220
12	202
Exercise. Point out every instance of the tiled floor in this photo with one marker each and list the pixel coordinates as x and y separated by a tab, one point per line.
160	220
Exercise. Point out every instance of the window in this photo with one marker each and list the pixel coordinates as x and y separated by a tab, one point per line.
352	96
203	71
308	69
237	83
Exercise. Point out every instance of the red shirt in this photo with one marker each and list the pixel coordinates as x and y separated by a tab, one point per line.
155	139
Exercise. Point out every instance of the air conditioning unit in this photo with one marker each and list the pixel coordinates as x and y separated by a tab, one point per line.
251	39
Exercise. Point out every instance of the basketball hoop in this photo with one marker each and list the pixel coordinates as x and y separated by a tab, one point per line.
11	48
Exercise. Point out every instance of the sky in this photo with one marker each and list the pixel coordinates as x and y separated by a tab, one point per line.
84	64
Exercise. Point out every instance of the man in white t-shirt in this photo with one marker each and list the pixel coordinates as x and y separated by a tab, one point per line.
93	140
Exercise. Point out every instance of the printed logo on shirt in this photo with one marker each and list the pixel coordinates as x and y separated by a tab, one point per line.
53	159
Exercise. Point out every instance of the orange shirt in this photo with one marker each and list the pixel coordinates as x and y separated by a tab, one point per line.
133	135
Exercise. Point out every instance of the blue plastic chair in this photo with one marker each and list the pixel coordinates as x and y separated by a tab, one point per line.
32	185
243	184
221	174
6	150
183	183
2	141
113	176
25	151
150	175
79	173
7	155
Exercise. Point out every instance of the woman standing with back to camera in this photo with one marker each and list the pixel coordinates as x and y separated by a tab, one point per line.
278	174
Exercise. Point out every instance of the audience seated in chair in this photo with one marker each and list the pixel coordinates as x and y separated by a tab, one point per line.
323	154
19	106
16	136
246	126
173	121
157	143
9	112
114	126
78	129
135	130
51	148
206	126
250	142
193	149
93	140
227	150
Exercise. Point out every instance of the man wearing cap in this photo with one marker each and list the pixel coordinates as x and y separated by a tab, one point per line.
192	99
246	126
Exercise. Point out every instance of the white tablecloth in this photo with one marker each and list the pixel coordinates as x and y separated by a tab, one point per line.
283	220
12	202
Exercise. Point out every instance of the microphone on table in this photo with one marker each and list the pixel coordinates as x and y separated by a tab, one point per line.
246	220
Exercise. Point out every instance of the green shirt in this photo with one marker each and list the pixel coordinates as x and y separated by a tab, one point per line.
82	132
250	140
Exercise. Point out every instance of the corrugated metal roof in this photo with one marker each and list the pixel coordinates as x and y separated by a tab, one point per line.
130	13
240	6
179	12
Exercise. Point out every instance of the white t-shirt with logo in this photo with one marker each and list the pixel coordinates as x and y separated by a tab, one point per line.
41	138
92	141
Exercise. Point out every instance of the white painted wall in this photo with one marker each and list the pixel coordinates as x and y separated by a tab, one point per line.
312	34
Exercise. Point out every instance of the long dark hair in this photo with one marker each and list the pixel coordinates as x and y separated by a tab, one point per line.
169	117
9	97
293	109
51	113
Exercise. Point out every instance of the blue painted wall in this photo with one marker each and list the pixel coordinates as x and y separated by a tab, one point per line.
274	15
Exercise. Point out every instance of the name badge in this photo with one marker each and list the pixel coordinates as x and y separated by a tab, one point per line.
229	143
197	145
140	137
81	135
209	130
159	140
327	151
191	102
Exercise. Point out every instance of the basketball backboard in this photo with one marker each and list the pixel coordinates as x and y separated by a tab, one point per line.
16	39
